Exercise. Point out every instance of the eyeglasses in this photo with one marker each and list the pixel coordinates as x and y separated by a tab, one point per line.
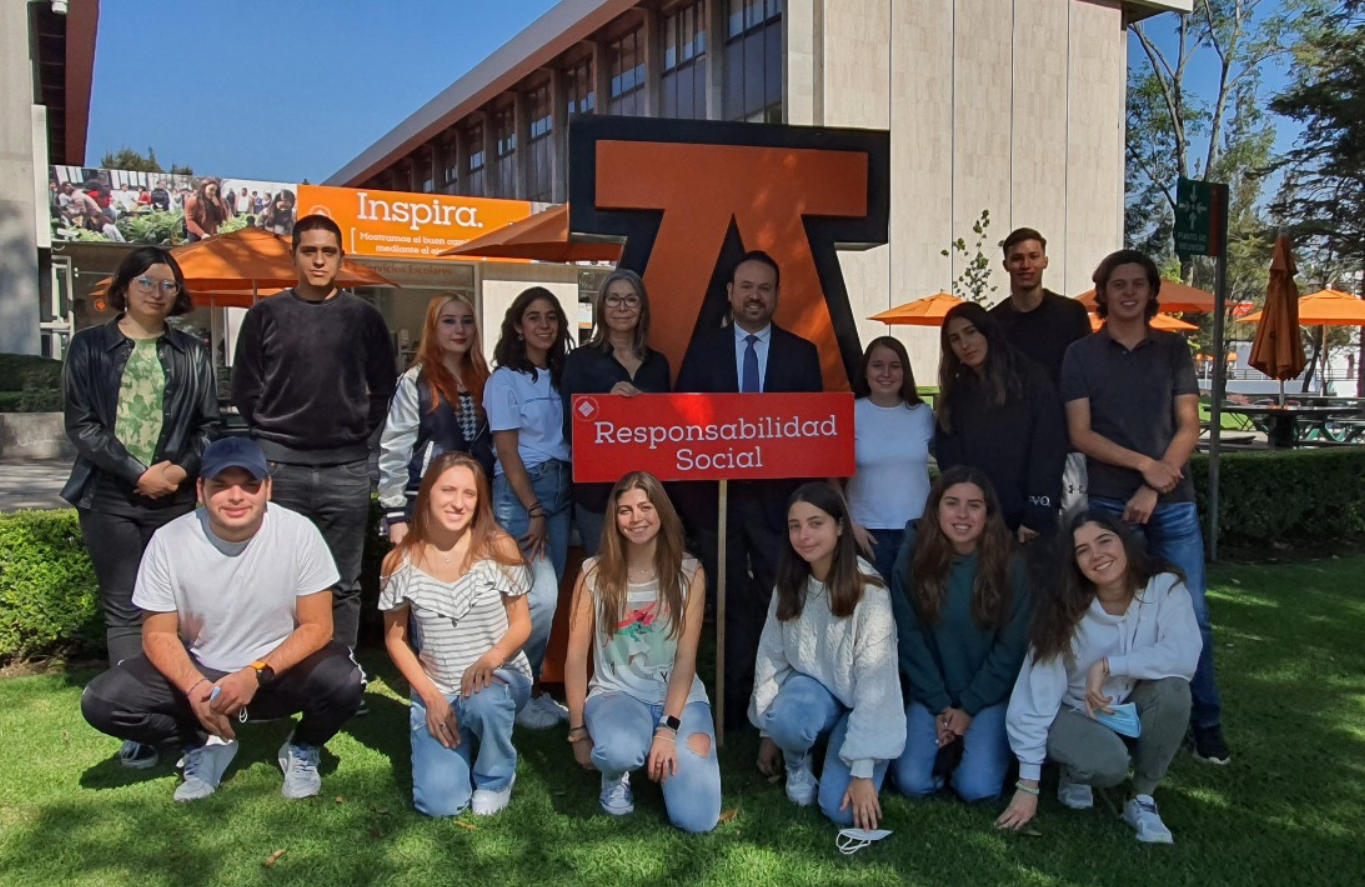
147	284
631	301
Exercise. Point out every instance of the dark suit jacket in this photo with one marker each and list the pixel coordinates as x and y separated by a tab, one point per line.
710	368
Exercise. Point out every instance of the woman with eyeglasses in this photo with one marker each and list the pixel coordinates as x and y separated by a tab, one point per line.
616	360
141	404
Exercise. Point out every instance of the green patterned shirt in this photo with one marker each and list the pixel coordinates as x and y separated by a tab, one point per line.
140	401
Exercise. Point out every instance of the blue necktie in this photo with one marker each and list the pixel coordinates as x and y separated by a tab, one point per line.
749	385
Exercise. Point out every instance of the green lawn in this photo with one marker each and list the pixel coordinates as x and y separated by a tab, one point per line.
1290	810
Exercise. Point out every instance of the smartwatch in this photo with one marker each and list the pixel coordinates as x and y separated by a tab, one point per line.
671	723
264	673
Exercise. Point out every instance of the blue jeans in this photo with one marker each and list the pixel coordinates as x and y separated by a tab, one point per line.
443	779
1174	537
985	755
622	730
884	552
803	712
550	480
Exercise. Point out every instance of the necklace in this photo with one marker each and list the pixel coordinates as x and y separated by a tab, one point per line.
445	555
640	573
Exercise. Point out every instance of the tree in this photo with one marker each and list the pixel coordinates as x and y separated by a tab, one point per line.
1324	200
127	158
1167	118
974	282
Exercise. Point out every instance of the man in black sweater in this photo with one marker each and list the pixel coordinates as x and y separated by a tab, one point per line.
1038	322
312	376
1042	325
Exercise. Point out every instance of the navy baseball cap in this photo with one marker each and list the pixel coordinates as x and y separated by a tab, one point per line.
234	452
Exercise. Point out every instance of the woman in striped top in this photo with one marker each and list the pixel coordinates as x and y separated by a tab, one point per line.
639	606
455	618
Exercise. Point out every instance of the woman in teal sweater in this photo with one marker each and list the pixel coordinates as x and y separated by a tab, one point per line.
962	604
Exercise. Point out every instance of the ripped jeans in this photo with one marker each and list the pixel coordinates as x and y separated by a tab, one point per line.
622	731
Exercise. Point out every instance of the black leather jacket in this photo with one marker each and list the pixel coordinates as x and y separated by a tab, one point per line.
90	381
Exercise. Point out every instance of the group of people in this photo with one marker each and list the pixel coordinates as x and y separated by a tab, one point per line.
936	631
94	206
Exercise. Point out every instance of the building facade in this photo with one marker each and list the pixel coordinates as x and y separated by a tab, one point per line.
1015	107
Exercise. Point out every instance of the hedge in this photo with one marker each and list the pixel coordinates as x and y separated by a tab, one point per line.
49	598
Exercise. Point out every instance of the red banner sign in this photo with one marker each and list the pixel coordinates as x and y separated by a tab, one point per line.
712	436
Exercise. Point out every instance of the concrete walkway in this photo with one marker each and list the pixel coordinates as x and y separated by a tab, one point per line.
32	483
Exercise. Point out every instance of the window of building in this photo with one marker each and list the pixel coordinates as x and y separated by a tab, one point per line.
504	123
424	162
627	59
753	60
474	165
450	164
539	171
578	89
682	90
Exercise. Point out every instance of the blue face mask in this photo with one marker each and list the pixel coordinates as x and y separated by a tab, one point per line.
1123	720
851	840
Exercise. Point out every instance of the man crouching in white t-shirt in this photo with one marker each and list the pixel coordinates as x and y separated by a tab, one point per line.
238	617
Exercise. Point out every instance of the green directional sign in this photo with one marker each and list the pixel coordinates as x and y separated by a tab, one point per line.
1199	211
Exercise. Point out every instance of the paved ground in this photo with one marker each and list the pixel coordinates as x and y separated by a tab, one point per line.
32	483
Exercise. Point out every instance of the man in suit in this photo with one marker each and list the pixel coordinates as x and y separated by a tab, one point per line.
752	355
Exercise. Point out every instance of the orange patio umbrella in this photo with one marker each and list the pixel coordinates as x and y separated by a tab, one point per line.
1175	297
248	261
544	237
1325	308
1278	348
1159	322
928	311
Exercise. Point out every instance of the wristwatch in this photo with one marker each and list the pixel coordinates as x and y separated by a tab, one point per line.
671	723
264	673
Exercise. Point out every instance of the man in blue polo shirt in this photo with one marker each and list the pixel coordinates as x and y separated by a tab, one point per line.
1132	407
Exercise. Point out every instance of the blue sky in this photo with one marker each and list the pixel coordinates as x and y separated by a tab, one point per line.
264	89
276	90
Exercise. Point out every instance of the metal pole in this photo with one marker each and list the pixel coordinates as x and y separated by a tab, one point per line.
724	499
1220	300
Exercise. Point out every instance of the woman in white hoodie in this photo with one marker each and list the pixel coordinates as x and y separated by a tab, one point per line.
1119	630
826	666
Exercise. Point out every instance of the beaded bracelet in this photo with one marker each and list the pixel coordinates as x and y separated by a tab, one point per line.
1031	789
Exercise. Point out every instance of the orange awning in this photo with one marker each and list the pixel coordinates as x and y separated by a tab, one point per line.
928	311
544	237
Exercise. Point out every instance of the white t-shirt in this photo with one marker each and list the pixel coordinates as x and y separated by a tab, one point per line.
534	409
236	600
892	482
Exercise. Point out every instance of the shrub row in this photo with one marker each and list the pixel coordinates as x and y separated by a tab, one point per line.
49	601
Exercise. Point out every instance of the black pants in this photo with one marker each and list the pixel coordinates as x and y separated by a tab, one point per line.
336	498
752	546
116	539
135	701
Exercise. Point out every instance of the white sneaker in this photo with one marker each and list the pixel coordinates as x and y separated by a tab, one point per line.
1074	795
617	798
1140	813
486	803
802	785
541	713
204	768
300	765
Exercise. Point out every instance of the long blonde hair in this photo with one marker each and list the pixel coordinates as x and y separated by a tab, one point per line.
610	580
483	529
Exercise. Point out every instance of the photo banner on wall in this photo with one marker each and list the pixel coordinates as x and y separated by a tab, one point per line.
398	224
128	206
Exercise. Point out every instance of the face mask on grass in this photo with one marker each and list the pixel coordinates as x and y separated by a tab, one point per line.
851	840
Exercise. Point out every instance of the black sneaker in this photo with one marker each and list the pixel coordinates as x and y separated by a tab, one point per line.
363	710
1209	746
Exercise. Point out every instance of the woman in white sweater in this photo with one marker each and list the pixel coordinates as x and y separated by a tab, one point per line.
827	666
1119	630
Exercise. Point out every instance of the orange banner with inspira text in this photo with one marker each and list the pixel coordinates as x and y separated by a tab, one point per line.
398	224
